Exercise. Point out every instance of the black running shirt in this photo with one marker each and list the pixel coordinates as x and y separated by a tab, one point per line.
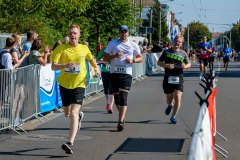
177	58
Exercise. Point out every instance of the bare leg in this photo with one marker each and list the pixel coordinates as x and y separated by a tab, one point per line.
177	104
122	113
74	115
19	102
66	111
111	99
107	99
169	99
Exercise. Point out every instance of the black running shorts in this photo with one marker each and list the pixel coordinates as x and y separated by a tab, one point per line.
204	61
72	96
226	59
123	81
170	87
107	83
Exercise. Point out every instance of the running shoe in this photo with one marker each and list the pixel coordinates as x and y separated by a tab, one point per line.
120	126
201	76
173	120
109	109
68	147
81	115
168	109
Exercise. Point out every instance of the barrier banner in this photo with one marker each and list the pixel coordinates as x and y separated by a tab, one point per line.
58	99
212	116
204	145
50	97
48	93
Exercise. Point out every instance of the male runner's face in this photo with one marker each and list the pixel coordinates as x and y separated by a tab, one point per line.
178	42
74	35
204	39
123	35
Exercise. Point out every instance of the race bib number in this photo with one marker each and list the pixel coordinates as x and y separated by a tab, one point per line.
212	55
173	80
120	69
108	67
204	52
74	70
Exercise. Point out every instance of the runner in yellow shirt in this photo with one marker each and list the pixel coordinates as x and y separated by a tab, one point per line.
70	59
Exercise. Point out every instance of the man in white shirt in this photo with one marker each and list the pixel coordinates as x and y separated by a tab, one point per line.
122	53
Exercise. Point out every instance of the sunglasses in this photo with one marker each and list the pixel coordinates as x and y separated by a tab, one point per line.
124	31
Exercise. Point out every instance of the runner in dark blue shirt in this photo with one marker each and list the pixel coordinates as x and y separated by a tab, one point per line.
226	55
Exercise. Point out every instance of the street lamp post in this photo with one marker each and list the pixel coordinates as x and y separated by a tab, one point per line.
230	36
188	46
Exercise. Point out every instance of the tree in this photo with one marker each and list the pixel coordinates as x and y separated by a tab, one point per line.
49	18
106	16
235	31
197	31
156	22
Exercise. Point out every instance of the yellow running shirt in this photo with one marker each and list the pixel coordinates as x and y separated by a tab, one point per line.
67	54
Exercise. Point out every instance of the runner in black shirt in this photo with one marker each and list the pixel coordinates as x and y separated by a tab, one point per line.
174	60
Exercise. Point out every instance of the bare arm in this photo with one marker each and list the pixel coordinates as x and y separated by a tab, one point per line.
165	65
138	59
56	66
94	65
186	65
108	57
17	61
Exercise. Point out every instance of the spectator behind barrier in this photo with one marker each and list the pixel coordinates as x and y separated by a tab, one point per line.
5	56
35	56
31	35
16	52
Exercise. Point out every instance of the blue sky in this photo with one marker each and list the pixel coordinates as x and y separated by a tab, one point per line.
213	13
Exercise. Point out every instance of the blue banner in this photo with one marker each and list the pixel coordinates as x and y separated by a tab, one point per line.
48	89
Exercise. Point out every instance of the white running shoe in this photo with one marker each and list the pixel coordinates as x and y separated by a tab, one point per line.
201	76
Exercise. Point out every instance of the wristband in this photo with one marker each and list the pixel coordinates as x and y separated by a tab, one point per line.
133	61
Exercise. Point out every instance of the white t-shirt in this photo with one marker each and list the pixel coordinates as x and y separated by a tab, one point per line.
6	61
129	49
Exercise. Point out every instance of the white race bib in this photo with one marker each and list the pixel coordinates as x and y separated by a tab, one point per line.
108	67
204	52
121	69
173	80
74	70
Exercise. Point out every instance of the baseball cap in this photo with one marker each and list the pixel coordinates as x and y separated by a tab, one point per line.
123	28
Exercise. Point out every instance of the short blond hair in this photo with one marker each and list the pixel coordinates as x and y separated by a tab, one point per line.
74	26
179	36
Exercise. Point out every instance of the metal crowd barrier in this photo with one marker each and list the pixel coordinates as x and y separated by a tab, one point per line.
6	98
19	96
203	145
199	134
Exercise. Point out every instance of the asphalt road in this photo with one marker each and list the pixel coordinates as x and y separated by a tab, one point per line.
148	135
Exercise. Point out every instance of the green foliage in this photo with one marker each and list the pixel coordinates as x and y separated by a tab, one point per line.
236	36
197	31
156	22
51	18
106	16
